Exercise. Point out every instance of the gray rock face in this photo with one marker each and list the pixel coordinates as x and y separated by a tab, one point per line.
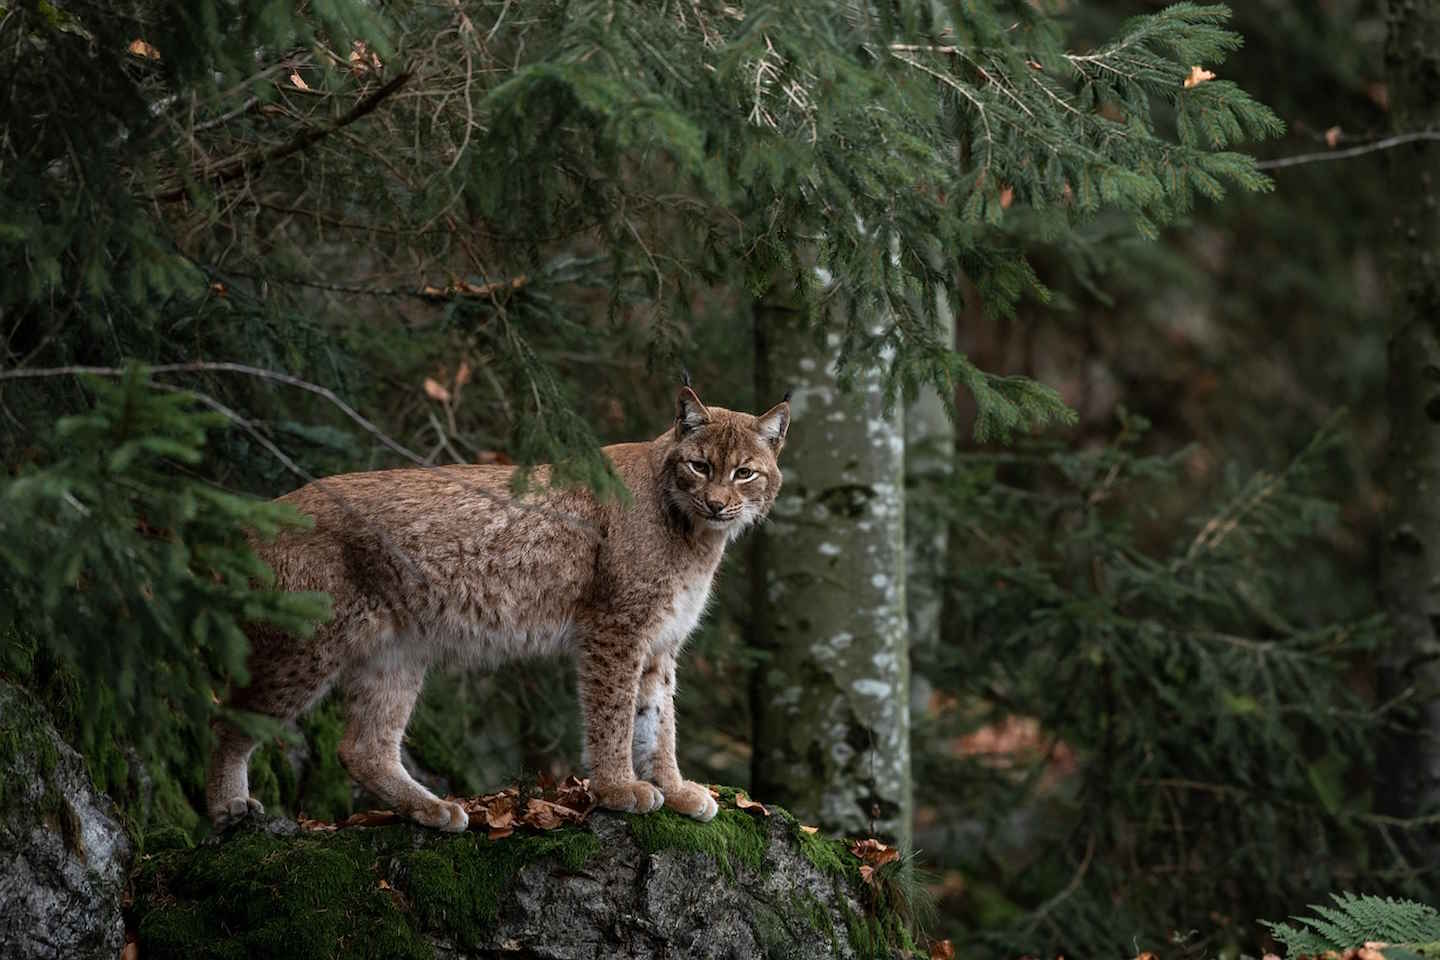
63	854
626	904
616	887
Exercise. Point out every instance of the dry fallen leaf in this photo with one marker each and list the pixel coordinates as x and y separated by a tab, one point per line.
1332	137
502	833
810	830
362	59
942	950
1198	75
142	49
874	852
754	806
1007	197
435	391
866	872
298	82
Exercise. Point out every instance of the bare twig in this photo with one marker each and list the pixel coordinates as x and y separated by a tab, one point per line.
244	164
1399	140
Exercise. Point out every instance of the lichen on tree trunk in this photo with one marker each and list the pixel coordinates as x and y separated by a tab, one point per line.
1409	666
929	460
832	696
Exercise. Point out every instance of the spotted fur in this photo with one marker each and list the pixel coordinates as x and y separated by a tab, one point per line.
428	566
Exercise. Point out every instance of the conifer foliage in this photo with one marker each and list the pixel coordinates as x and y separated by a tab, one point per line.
1177	712
196	203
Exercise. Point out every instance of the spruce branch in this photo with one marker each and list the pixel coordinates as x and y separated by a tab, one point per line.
243	165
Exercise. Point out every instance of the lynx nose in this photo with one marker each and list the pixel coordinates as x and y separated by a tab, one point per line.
716	506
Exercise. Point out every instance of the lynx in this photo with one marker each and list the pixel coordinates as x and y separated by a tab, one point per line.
444	564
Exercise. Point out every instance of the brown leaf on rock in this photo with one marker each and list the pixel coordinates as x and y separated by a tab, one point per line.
501	833
308	824
942	950
874	853
1197	76
499	813
808	829
866	872
548	815
754	806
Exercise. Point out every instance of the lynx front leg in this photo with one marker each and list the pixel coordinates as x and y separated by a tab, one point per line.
609	673
379	696
654	741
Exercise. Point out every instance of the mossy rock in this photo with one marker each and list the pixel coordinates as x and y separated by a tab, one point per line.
64	855
619	886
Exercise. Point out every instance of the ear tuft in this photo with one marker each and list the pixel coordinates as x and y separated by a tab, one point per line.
773	424
690	413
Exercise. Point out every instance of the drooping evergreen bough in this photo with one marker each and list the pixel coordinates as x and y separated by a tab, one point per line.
226	181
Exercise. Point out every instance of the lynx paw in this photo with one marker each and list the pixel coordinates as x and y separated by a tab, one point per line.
692	799
442	815
634	796
235	810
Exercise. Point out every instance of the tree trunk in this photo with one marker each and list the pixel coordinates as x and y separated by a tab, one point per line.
1410	576
832	726
929	461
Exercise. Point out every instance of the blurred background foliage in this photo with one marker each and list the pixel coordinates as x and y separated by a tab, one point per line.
1145	713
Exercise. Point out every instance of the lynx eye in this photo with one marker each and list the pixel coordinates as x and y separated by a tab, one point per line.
698	467
743	473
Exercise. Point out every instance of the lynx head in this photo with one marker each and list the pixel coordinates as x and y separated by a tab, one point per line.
720	472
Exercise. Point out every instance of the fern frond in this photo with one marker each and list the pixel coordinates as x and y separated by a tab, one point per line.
1356	920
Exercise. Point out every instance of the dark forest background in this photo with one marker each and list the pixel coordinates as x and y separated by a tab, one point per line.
1092	584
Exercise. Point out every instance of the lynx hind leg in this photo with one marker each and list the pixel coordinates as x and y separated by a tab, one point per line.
282	685
653	744
645	740
379	696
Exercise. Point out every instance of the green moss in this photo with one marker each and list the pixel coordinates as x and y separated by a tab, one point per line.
807	905
167	838
457	887
828	855
26	744
321	895
732	837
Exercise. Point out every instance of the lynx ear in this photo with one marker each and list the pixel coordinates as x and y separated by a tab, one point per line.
773	423
690	413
